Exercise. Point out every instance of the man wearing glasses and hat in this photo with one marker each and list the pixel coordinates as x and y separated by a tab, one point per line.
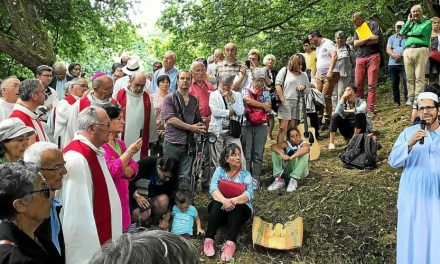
396	68
133	66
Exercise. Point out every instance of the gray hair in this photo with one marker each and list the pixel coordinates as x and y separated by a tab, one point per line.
267	57
137	74
59	66
72	83
226	79
151	247
88	117
17	179
195	63
33	152
7	81
42	68
67	86
340	34
27	88
172	54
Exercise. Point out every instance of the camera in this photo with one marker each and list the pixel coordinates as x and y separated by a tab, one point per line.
248	63
208	136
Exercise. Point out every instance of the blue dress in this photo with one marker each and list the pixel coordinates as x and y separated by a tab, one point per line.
418	203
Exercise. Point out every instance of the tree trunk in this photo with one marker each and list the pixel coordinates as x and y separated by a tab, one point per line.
29	43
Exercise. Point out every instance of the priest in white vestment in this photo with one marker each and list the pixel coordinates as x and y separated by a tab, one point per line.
91	211
75	89
9	96
138	114
101	95
32	95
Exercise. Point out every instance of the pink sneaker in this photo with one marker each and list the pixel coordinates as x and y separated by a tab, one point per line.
208	247
228	250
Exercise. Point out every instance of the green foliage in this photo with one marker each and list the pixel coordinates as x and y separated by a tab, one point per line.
88	32
272	26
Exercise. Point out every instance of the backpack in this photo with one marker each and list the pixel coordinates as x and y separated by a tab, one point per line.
361	153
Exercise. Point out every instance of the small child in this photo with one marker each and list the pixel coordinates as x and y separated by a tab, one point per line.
184	215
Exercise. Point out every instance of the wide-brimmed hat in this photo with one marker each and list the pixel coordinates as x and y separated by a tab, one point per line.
12	128
133	65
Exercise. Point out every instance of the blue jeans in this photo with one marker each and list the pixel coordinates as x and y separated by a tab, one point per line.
397	71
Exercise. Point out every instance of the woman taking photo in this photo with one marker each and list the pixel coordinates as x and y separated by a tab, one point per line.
119	159
286	84
14	139
163	82
231	201
25	202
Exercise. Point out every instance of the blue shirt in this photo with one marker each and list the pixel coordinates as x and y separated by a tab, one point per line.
183	222
55	224
242	177
173	77
397	45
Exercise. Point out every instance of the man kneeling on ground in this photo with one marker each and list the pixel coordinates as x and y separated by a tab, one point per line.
349	116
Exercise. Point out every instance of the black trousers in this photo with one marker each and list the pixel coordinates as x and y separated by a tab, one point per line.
346	126
314	122
233	219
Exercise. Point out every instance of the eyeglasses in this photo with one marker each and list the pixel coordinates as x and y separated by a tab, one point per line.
429	108
47	75
56	168
99	124
45	190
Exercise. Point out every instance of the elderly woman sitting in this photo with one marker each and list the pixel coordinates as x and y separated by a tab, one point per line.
231	204
14	139
25	201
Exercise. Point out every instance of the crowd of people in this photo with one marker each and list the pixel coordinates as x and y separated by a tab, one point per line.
82	166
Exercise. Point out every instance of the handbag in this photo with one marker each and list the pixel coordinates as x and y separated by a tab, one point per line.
231	189
277	236
234	125
235	128
255	115
434	55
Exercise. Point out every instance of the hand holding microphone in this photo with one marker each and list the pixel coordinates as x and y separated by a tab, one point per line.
422	126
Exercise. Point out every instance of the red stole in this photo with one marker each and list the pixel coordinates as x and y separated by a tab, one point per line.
27	120
70	100
122	100
101	202
85	102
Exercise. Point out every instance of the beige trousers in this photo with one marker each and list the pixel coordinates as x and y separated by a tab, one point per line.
415	63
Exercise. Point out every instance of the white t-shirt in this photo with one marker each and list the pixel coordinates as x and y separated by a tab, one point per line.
291	83
324	55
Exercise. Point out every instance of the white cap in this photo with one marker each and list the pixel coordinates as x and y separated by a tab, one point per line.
427	95
12	128
399	23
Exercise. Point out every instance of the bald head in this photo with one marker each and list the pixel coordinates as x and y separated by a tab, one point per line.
231	52
137	82
103	87
169	60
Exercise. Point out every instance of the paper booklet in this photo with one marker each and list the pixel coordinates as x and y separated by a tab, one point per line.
364	31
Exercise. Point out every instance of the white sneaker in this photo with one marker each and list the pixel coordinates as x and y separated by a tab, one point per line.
278	183
292	185
331	146
256	184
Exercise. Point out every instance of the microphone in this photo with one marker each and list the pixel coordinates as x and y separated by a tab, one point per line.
422	126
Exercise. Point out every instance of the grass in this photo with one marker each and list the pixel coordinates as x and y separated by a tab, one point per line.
349	215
